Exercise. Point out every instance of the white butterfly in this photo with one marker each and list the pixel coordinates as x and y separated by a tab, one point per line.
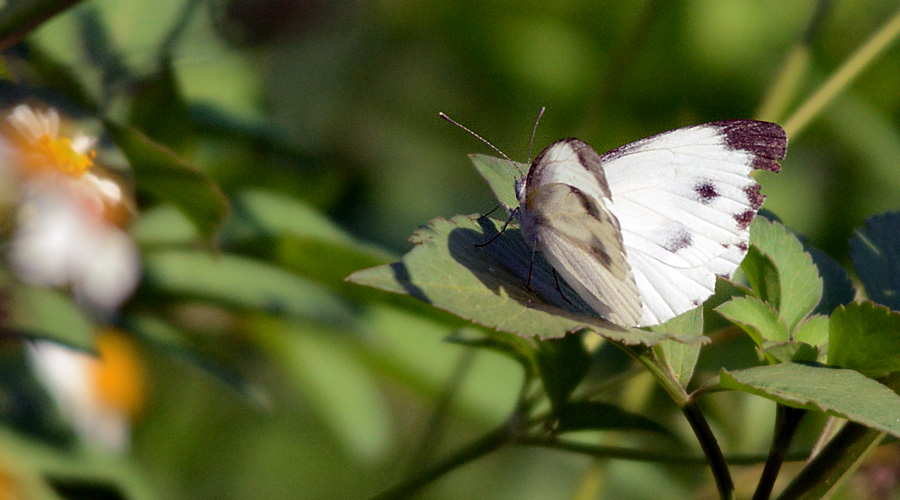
641	232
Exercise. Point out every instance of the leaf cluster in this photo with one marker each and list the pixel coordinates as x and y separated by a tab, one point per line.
820	350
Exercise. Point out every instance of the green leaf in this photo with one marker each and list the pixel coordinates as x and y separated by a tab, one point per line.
501	176
400	345
242	283
725	291
21	17
49	314
51	71
562	364
865	337
813	331
262	213
824	474
508	344
173	128
762	275
875	252
334	380
277	229
840	392
299	238
153	331
756	318
791	351
489	284
679	356
163	226
594	415
161	173
799	284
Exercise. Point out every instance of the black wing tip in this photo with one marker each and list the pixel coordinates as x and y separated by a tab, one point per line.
765	140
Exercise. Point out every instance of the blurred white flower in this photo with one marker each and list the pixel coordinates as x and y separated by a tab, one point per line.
41	147
66	232
98	395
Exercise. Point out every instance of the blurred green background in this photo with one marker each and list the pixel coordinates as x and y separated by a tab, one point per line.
270	376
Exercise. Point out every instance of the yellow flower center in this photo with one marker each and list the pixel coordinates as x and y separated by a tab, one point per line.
57	153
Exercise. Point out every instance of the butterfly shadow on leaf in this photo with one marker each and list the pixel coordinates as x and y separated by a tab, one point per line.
402	276
502	261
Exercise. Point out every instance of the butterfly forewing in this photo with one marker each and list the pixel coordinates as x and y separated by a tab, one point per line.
685	200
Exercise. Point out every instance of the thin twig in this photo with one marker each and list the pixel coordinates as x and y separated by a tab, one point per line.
487	444
439	415
841	78
635	455
787	420
711	449
795	65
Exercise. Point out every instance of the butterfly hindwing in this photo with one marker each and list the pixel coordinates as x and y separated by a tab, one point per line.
575	230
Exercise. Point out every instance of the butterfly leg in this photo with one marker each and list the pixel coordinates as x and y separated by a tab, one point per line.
530	269
502	229
559	288
492	211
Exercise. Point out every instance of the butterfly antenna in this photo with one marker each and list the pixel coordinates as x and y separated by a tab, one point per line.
482	139
534	130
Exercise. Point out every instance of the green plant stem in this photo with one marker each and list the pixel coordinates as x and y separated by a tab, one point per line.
787	420
695	418
622	453
711	449
439	415
821	477
841	78
486	444
20	18
837	460
647	357
795	65
786	84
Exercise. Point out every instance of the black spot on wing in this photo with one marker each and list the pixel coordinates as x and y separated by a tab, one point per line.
766	141
744	218
742	246
592	207
599	251
706	191
681	239
586	203
754	196
590	160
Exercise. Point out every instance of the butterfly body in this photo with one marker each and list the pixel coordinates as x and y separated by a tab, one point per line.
642	231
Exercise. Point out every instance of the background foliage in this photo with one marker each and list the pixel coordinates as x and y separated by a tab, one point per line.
317	122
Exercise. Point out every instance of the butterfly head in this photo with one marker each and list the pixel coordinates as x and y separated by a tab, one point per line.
521	188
